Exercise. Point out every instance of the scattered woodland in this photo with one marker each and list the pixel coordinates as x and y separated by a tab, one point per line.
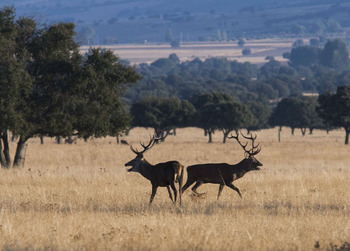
50	89
80	195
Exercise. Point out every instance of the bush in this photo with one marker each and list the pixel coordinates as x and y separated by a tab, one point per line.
241	42
246	51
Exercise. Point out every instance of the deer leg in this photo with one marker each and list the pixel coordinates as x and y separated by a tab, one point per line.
234	188
170	195
180	187
194	188
220	189
174	190
187	185
154	190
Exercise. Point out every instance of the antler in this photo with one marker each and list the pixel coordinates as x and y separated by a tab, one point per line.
236	137
151	143
255	149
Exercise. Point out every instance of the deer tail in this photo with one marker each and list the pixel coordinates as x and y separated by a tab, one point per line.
178	173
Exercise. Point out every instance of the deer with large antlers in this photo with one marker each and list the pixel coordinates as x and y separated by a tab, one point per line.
162	174
222	173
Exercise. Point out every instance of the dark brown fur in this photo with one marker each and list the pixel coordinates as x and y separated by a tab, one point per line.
219	173
162	174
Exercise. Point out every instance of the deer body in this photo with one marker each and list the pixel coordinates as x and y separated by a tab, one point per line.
159	174
222	173
162	174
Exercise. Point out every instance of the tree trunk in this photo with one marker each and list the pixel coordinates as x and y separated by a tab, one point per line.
41	139
210	134
58	140
19	157
2	156
6	150
311	130
279	133
225	136
347	132
292	130
303	131
118	139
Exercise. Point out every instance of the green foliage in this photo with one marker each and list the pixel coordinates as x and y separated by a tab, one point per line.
175	44
48	88
167	77
220	111
296	112
206	98
304	55
173	57
99	107
261	111
269	69
325	79
246	51
165	64
315	42
335	55
241	42
335	109
15	82
162	114
55	64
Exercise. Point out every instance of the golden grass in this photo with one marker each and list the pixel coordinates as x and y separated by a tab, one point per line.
80	197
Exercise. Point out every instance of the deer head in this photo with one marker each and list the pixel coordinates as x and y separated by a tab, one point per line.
250	162
135	163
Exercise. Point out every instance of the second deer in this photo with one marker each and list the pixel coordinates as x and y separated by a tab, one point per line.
222	173
162	174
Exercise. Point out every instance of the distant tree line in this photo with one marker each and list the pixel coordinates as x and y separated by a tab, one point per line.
273	88
310	69
221	112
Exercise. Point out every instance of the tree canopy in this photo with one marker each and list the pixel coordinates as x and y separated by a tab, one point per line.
220	111
296	112
162	114
48	88
334	108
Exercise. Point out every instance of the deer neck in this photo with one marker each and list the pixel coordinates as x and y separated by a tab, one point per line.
240	169
145	169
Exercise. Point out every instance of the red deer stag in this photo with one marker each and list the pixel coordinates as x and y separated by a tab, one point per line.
222	173
162	174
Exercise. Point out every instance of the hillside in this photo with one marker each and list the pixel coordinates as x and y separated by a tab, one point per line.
140	21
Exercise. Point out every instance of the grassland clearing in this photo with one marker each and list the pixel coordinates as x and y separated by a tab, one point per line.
148	53
80	196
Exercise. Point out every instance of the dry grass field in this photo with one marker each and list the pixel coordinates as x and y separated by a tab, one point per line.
80	197
148	53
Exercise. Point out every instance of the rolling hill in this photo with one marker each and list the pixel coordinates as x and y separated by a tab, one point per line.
156	21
